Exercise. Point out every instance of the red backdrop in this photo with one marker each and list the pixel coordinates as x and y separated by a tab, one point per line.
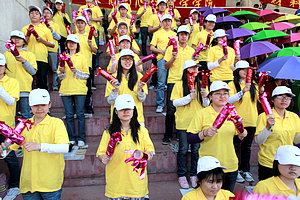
284	3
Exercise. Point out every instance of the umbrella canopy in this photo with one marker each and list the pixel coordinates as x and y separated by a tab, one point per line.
251	16
289	51
257	48
266	34
280	26
228	22
254	26
287	67
269	15
203	9
294	37
239	32
215	11
289	18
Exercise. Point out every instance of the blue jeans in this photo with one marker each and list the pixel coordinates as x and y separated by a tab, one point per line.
69	109
162	77
56	195
24	107
182	153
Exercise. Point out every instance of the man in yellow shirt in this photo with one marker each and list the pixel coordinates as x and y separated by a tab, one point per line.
195	28
176	13
155	23
158	45
42	172
144	15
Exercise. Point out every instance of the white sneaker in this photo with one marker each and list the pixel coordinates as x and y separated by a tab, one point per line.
239	177
81	143
159	109
248	177
72	142
12	193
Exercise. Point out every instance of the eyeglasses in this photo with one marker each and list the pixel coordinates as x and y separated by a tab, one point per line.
218	94
285	98
127	59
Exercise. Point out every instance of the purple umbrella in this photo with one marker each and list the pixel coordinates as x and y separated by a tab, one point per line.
203	9
239	32
257	48
216	11
227	22
286	67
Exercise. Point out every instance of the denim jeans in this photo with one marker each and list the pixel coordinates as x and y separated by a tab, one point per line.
170	115
144	34
56	195
229	181
162	77
53	63
69	109
182	154
24	107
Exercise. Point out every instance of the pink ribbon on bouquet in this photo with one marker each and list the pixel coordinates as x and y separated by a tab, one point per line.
74	14
198	50
173	41
138	163
43	19
114	140
237	46
12	47
223	42
237	120
191	21
223	115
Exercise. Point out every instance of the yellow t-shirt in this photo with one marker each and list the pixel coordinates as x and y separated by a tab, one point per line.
245	108
85	49
121	174
123	89
96	13
37	48
284	131
134	45
56	28
276	186
184	114
220	145
161	39
136	58
18	71
112	25
224	71
194	34
176	69
201	37
8	113
58	18
154	22
146	16
198	194
71	85
118	13
41	171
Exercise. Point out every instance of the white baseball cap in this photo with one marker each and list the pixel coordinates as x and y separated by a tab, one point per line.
241	64
211	18
161	1
2	59
166	16
123	5
183	28
218	85
279	90
188	64
59	1
126	52
38	97
124	37
219	33
288	155
35	8
17	33
73	38
45	7
207	163
193	10
82	18
122	22
124	101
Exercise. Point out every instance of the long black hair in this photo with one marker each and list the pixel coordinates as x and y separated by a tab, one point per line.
185	85
236	81
217	175
116	124
133	78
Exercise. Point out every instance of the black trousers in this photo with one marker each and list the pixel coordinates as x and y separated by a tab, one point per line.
230	180
89	96
42	74
144	35
170	116
61	43
264	172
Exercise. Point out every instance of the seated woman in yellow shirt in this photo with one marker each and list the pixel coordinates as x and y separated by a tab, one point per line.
216	142
121	181
286	170
282	128
210	180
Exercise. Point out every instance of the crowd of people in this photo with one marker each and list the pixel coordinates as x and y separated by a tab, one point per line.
70	49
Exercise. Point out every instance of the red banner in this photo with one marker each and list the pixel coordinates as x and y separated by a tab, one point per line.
284	3
136	4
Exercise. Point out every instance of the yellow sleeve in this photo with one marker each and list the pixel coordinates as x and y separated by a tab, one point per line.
14	89
103	143
148	145
49	37
232	88
177	14
154	40
261	188
261	123
177	92
168	55
24	30
14	147
108	89
67	17
60	132
109	66
98	12
32	60
140	10
196	124
111	25
211	55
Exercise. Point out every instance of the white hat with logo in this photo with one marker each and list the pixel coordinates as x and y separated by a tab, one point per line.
124	37
126	52
211	18
207	163
17	33
45	7
35	8
82	18
241	64
219	33
188	64
183	28
73	38
279	90
288	155
124	101
166	16
123	5
218	85
194	10
38	97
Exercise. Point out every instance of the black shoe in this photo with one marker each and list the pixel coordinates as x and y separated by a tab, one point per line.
166	141
71	147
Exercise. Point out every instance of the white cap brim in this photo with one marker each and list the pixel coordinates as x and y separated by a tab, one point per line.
35	8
